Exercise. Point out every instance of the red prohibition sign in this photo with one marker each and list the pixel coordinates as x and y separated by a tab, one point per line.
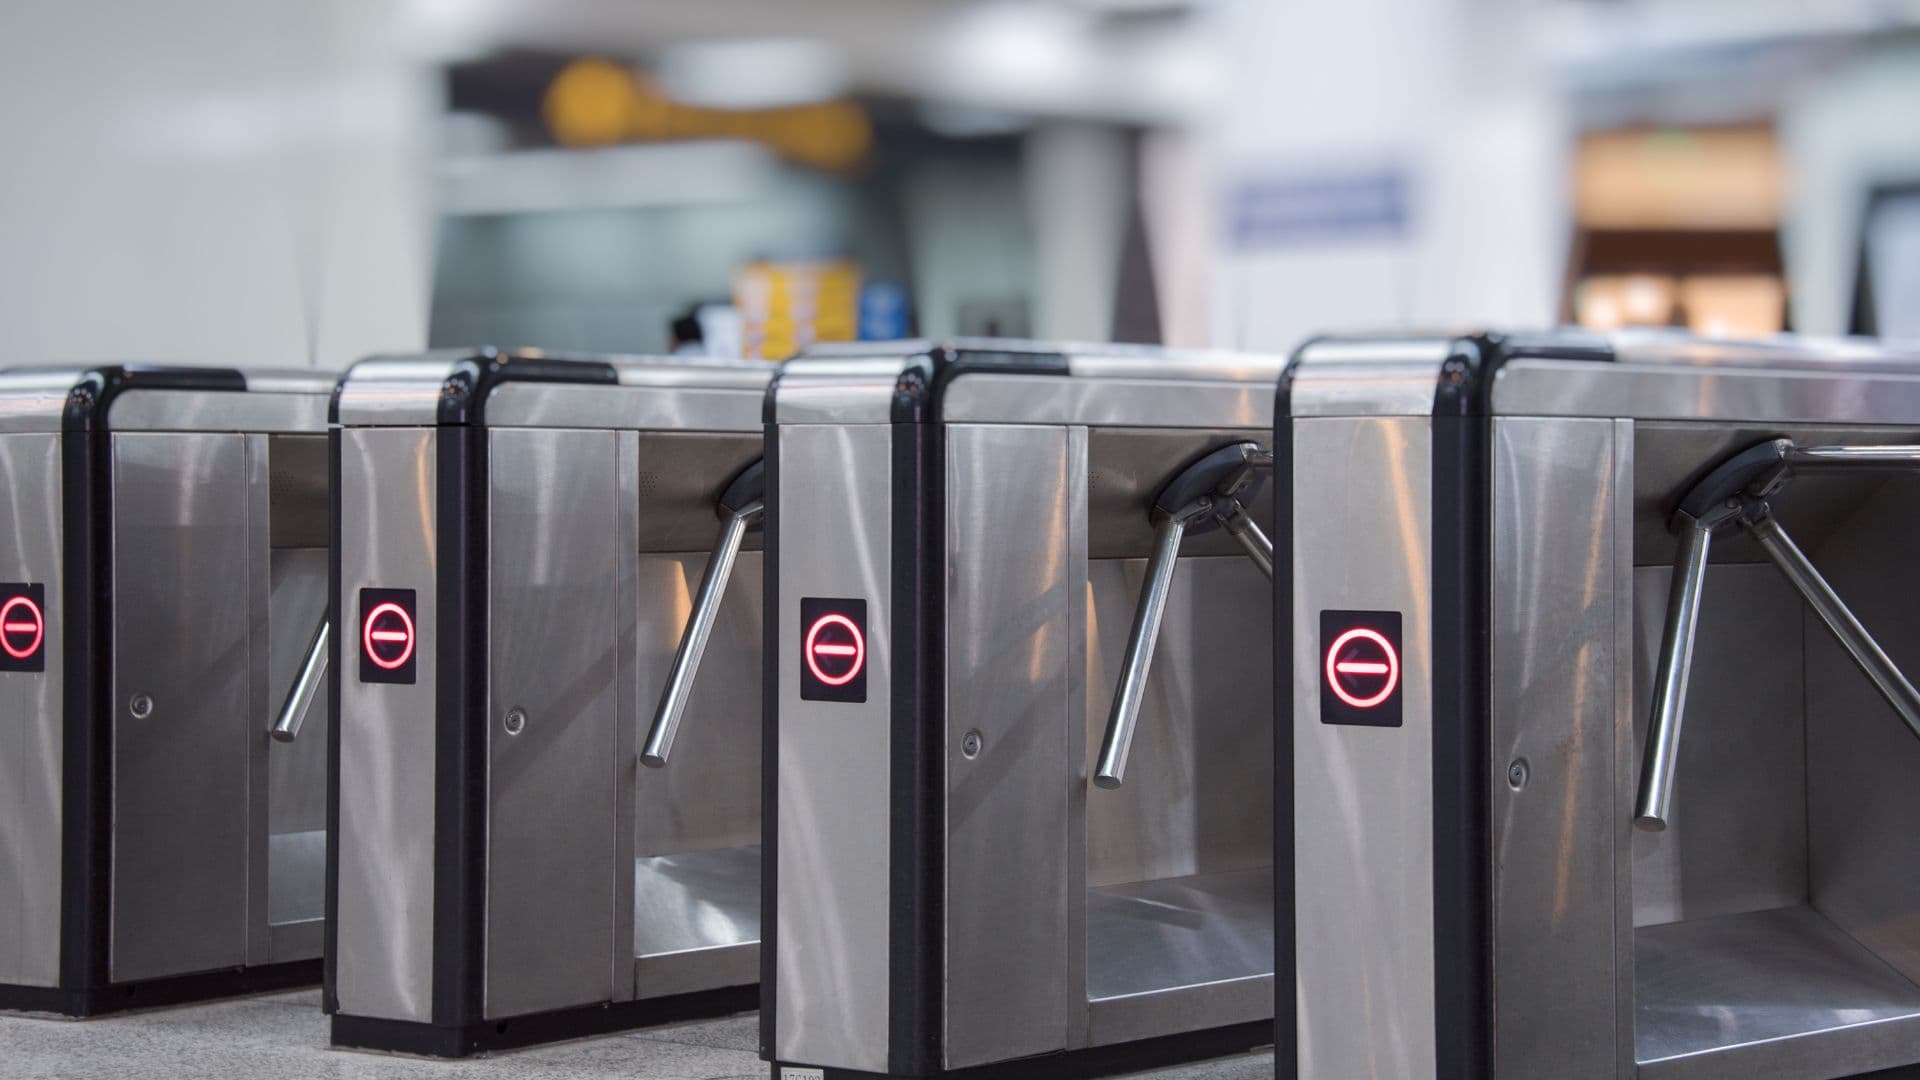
855	653
372	639
1385	666
20	615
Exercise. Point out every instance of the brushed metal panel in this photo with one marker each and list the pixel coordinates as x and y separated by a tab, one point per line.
1731	996
259	595
194	410
1009	667
388	507
834	777
679	478
32	715
679	408
554	547
1199	792
1553	687
1561	388
180	636
1170	401
709	795
1363	797
1863	767
1737	840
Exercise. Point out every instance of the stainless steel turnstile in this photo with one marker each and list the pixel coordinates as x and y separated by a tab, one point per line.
526	603
1020	742
1520	564
162	578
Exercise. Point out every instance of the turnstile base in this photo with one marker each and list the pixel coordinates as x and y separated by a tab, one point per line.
514	1032
155	993
1093	1061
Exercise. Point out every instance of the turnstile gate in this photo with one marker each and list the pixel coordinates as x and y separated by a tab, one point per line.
524	544
998	572
1521	562
162	576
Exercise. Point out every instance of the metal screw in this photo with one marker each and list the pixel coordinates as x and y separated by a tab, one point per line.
515	720
141	706
1517	774
970	744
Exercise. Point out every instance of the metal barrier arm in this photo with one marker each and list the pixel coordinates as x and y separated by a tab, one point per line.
1738	490
313	671
741	508
1212	492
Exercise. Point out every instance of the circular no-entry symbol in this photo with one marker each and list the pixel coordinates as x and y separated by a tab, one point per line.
387	636
22	627
835	649
1362	668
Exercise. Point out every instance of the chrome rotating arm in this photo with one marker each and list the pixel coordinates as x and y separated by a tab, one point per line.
1211	492
1738	491
313	671
741	508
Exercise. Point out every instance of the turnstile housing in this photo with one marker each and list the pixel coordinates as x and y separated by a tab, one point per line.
1485	523
519	538
163	571
956	547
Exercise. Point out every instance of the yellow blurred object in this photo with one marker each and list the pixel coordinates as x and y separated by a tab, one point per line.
1610	301
591	103
786	306
594	102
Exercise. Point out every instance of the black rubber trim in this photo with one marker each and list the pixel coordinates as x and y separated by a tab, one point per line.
951	362
1286	1030
1460	530
1094	1061
329	986
749	486
917	849
460	728
1202	476
489	1036
1734	478
463	396
154	993
770	742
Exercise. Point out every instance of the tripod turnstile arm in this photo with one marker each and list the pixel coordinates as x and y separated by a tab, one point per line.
1655	798
1141	636
1253	540
741	508
1872	660
313	671
1738	490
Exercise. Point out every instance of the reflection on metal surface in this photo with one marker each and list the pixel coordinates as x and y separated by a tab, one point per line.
696	900
693	644
384	962
1709	984
32	733
1171	932
180	635
297	885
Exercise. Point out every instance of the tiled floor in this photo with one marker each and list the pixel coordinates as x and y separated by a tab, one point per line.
284	1035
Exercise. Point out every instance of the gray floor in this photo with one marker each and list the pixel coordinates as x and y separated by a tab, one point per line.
284	1035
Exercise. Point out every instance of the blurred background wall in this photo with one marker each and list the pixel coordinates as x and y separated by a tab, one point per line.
267	182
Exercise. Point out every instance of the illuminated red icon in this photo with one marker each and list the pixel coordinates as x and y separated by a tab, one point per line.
387	636
23	627
1363	669
835	650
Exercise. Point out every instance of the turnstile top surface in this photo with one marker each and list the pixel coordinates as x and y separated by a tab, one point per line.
532	388
163	398
1642	375
990	380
